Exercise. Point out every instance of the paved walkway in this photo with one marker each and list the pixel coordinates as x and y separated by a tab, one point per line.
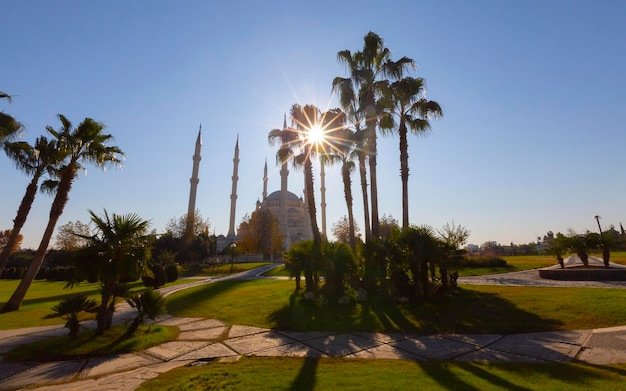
202	340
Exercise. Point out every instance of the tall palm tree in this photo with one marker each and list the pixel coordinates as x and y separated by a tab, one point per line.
348	102
305	118
368	69
120	252
341	150
35	161
84	144
405	101
9	126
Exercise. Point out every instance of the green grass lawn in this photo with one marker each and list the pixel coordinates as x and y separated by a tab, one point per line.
219	270
282	373
89	345
43	295
469	309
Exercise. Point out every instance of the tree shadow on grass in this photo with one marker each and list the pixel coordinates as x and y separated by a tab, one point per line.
306	377
190	298
461	311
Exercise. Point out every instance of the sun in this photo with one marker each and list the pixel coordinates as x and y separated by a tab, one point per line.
316	135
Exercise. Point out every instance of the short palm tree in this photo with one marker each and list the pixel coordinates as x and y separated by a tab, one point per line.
149	304
407	109
70	309
85	144
36	160
120	250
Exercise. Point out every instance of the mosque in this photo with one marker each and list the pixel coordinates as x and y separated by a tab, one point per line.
290	210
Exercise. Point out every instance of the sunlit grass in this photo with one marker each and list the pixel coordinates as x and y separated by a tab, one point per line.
43	295
287	373
469	309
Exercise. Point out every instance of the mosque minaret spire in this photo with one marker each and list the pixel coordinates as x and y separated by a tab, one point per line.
265	181
233	195
194	186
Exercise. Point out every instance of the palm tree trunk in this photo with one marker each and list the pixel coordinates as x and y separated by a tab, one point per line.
62	195
317	239
347	190
103	311
20	219
366	207
371	142
404	172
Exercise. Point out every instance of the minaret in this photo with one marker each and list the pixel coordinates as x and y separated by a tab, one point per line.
194	186
284	174
233	195
265	181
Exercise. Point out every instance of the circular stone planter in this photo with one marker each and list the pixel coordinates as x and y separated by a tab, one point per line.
581	273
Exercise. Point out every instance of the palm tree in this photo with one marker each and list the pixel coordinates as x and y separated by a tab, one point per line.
84	144
9	127
69	309
305	118
120	251
35	161
148	303
342	150
368	69
405	101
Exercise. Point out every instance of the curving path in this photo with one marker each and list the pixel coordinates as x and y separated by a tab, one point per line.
203	340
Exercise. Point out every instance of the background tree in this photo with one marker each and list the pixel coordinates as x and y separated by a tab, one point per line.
177	225
36	160
260	233
84	144
453	238
4	241
387	225
341	230
72	235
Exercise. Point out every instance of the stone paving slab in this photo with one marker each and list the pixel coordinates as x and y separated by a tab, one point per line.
342	344
294	349
474	339
385	338
525	345
574	337
170	350
490	355
215	350
385	352
201	324
43	373
239	331
204	334
305	335
603	356
99	366
250	344
178	321
434	347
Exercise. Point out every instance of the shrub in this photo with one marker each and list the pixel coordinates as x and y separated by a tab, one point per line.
171	271
159	279
481	261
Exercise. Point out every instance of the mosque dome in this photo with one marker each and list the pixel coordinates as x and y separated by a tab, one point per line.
275	196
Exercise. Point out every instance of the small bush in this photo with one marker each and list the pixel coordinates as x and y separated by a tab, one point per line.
171	271
159	279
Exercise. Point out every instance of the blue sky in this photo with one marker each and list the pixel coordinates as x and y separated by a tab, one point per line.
533	94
